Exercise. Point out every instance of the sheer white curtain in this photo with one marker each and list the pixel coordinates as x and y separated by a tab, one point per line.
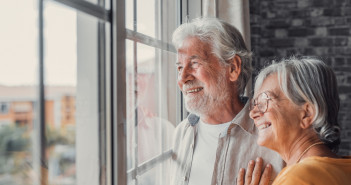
235	12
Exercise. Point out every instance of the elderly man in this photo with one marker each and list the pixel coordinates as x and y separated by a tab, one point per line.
218	137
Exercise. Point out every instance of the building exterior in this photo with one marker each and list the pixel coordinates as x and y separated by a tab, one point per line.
18	105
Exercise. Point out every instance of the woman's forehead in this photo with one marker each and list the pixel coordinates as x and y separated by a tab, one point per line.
269	84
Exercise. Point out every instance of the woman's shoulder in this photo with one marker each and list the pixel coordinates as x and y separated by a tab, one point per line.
318	170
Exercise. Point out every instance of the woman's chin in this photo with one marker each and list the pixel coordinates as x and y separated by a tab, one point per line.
265	137
263	142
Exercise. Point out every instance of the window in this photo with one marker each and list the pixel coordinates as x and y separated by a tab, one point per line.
54	119
151	89
88	92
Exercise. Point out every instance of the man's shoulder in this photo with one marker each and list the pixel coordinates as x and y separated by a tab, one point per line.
182	126
183	135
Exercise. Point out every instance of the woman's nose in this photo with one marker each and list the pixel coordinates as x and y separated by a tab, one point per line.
254	112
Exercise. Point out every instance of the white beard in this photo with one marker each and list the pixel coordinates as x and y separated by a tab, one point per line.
209	101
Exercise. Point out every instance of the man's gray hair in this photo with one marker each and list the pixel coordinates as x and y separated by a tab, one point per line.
225	40
309	80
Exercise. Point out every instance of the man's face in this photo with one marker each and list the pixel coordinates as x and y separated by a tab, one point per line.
201	77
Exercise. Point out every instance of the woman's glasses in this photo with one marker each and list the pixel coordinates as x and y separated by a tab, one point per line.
261	101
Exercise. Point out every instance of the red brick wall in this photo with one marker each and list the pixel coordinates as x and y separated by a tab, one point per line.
322	28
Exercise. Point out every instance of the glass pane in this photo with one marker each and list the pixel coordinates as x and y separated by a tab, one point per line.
72	96
150	99
131	131
153	177
18	90
146	17
151	92
130	14
147	102
60	92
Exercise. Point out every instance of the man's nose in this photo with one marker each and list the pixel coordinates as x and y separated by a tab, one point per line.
185	75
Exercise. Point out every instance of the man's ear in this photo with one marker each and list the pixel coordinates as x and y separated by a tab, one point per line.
308	114
235	68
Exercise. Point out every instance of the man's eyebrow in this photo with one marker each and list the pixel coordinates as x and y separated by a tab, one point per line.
194	57
190	58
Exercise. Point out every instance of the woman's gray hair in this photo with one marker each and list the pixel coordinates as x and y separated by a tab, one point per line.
225	40
309	80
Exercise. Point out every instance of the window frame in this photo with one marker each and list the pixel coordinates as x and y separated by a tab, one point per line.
112	84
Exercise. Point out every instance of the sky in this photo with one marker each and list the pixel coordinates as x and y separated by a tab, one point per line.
19	43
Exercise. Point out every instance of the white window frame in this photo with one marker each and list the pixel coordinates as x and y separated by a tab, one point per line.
112	85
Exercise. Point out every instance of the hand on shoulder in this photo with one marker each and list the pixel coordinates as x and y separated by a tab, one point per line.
255	174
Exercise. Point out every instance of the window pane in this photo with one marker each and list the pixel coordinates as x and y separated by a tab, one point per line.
153	176
18	90
150	100
147	102
151	92
131	131
130	14
72	96
60	63
146	17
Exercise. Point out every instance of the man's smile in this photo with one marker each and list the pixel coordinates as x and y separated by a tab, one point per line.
195	90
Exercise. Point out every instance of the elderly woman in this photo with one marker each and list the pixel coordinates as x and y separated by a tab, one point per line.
295	109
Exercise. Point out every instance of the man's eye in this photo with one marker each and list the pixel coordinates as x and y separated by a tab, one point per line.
195	64
179	68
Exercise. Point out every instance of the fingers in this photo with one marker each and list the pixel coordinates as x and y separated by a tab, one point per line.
266	176
240	179
256	175
250	168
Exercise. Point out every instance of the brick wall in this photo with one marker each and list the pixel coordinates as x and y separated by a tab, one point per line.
281	28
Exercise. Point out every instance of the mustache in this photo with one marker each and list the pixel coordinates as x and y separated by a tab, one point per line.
191	84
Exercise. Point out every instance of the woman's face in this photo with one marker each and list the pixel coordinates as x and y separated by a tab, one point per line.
278	120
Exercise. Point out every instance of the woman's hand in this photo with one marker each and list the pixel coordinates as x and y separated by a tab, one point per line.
254	174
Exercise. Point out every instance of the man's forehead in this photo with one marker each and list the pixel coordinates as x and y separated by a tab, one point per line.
193	49
194	44
193	53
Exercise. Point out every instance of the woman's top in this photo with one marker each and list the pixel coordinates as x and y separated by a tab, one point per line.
317	170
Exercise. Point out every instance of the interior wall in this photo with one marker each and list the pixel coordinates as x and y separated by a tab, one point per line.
321	28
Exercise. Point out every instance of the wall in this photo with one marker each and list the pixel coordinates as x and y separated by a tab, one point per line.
320	28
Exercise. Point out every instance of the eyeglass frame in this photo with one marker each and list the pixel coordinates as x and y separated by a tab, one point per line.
254	103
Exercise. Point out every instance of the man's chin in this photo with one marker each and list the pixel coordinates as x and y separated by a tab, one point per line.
198	109
201	108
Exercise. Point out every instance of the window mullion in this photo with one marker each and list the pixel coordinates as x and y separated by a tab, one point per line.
118	38
147	40
135	92
41	160
147	165
85	6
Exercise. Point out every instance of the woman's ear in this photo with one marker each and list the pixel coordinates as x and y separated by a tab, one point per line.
308	114
235	68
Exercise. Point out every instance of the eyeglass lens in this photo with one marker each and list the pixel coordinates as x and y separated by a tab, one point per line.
261	101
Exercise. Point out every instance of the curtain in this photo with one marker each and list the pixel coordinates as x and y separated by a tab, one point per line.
235	12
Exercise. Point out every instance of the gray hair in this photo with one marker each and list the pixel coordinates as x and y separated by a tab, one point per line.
225	40
309	80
